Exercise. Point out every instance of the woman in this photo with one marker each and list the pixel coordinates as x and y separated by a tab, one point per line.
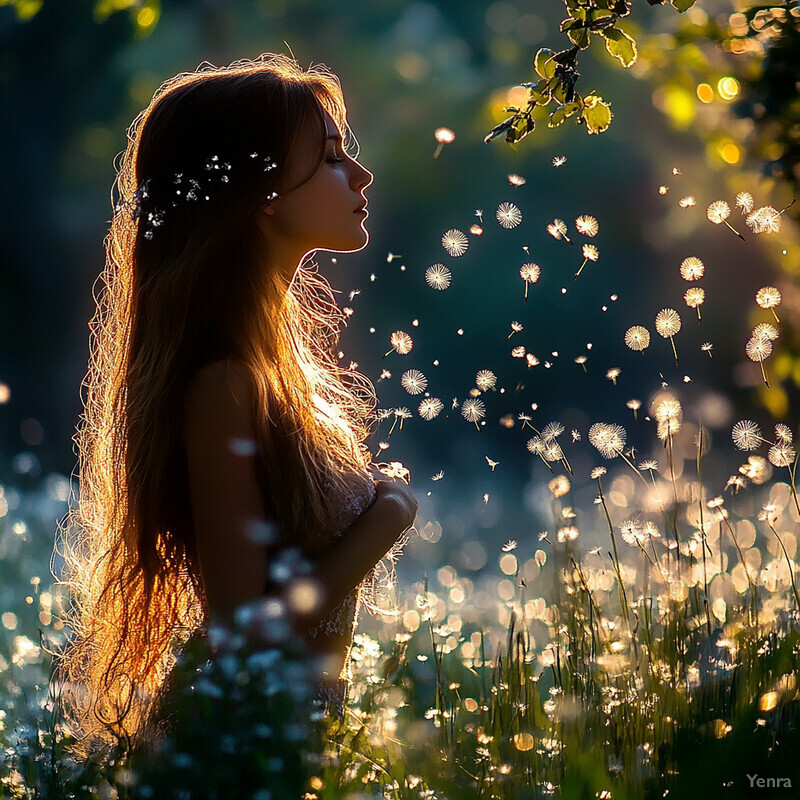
222	453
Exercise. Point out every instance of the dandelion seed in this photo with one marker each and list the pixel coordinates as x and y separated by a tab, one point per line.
757	349
518	352
516	180
413	381
607	438
552	430
455	243
669	416
568	533
668	323
634	405
631	532
508	215
764	220
746	435
663	189
590	253
597	472
530	273
586	225
718	212
687	202
485	380
491	463
443	136
438	476
532	360
385	374
430	408
613	374
558	230
692	268
438	276
510	545
402	413
707	347
694	298
783	433
535	445
744	200
559	486
516	327
781	454
472	410
649	466
476	230
676	171
576	436
769	297
582	361
765	330
401	343
559	161
637	338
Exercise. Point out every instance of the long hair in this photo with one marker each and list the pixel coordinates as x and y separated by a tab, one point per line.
192	290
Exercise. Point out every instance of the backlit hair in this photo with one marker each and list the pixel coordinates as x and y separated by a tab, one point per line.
197	291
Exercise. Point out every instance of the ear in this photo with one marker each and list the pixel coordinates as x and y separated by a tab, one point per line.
268	209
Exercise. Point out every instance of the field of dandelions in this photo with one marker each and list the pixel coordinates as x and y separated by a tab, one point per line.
643	645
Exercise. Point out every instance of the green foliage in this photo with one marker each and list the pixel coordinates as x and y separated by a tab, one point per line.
25	9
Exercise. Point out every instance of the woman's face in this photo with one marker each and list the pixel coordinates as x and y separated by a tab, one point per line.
327	212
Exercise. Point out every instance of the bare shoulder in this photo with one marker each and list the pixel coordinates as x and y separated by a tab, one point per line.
220	379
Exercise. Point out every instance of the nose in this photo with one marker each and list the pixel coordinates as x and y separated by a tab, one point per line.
362	177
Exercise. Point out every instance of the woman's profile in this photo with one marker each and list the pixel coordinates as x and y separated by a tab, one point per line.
222	455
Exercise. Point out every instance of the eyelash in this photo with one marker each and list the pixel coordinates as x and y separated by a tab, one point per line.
335	160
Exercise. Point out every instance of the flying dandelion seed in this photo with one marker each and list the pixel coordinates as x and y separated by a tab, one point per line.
491	463
783	433
769	297
401	343
455	243
765	330
443	136
590	253
663	189
764	220
516	327
676	171
479	215
508	215
692	268
438	276
531	359
476	230
669	416
631	532
718	212
694	298
613	374
413	381
586	225
472	410
535	445
559	161
385	374
510	545
634	405
781	454
637	338
744	200
649	466
558	230
687	202
485	380
438	476
516	180
597	472
707	347
559	486
518	352
746	435
668	323
757	349
430	408
582	361
529	273
607	438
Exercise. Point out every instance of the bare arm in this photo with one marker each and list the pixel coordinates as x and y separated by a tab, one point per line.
230	520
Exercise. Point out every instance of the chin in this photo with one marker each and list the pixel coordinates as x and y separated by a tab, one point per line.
351	244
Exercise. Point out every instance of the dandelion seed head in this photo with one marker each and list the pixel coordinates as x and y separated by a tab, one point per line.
783	433
485	379
535	444
781	454
634	405
516	327
608	438
557	228
530	273
430	408
613	373
687	202
597	472
559	486
587	225
758	348
631	532
637	337
757	469
518	351
402	413
667	427
591	252
438	276
651	465
765	330
581	359
692	268
401	342
552	450
473	409
694	297
668	322
744	200
567	534
455	242
718	212
508	215
552	430
746	434
764	220
668	408
768	297
413	381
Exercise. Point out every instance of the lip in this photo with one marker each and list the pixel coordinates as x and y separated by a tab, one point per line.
362	207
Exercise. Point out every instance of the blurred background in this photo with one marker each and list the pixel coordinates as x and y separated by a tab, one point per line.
74	75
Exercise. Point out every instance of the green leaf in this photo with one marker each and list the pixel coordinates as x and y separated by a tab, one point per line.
543	63
621	46
683	5
596	114
557	118
580	37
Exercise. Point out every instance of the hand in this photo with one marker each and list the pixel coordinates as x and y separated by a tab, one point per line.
397	500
